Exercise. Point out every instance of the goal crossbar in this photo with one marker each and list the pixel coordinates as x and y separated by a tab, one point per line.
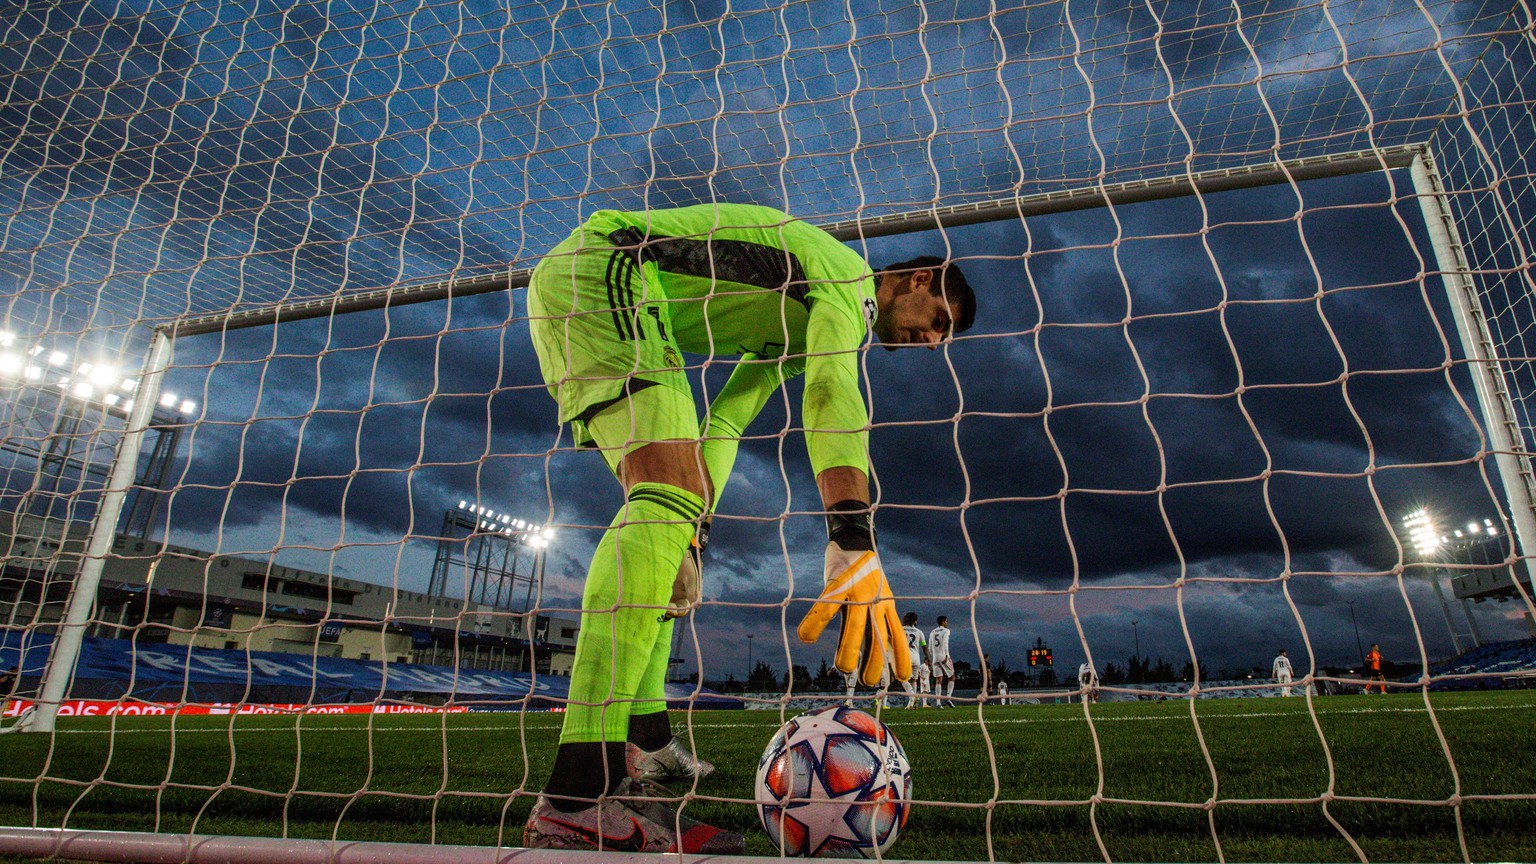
1268	173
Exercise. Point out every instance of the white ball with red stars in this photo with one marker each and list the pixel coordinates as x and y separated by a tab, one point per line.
834	783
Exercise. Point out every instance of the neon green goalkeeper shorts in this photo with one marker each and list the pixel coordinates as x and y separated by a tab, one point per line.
601	328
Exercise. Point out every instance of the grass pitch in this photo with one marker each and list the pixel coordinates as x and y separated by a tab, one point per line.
1026	785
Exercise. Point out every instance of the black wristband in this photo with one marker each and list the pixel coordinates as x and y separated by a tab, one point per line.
849	525
701	534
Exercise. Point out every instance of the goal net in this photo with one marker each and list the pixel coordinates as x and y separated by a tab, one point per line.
295	545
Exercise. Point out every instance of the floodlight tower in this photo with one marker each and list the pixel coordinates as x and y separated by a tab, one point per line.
488	545
1460	546
1430	544
56	398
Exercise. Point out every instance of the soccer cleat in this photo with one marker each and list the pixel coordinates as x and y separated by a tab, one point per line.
672	762
627	821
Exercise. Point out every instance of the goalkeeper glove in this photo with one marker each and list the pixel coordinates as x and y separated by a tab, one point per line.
854	583
688	587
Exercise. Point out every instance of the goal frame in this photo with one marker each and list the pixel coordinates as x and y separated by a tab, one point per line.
1504	436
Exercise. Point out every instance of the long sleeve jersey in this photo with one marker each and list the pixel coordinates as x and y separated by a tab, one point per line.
783	295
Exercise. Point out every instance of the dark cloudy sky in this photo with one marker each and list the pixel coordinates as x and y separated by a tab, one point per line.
1203	415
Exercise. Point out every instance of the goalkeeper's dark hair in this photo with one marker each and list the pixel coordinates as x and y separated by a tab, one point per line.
948	282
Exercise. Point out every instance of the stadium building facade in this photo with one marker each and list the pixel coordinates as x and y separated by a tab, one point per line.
175	595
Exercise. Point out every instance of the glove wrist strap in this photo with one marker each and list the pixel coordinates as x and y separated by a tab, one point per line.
849	526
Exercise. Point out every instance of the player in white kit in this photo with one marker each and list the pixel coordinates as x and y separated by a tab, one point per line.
917	649
1282	672
1088	680
943	664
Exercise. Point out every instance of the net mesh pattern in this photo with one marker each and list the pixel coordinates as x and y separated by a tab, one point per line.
1281	407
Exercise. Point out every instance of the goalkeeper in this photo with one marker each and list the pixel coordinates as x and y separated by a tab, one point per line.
611	309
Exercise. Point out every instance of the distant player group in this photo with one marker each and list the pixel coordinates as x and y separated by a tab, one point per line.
933	667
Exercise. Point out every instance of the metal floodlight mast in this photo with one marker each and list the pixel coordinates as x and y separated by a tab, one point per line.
489	544
1425	536
81	387
1433	547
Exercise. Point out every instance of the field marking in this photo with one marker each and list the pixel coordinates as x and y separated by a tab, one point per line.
548	725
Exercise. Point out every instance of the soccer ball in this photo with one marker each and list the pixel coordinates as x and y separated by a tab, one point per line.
834	783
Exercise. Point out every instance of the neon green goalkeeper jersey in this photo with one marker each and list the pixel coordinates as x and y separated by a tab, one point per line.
784	295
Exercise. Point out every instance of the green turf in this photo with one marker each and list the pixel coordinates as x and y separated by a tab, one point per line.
1025	791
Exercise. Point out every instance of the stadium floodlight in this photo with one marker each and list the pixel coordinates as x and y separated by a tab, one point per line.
500	522
7	338
33	373
11	364
1422	531
58	358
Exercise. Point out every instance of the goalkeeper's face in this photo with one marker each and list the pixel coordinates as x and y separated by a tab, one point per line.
910	313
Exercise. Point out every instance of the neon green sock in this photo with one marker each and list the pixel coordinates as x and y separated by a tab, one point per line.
628	583
651	695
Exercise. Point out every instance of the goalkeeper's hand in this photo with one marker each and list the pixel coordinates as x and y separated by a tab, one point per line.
688	587
854	583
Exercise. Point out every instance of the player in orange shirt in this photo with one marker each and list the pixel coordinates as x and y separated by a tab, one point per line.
1373	666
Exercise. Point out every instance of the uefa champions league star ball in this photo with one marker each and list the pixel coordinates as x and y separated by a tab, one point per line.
834	783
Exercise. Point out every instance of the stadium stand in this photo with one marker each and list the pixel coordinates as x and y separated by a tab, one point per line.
1495	665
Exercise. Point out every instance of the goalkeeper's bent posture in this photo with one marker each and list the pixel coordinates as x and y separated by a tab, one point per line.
611	309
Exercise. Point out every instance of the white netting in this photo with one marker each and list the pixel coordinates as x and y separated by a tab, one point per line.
213	160
1185	432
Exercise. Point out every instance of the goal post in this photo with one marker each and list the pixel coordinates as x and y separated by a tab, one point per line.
65	650
1510	449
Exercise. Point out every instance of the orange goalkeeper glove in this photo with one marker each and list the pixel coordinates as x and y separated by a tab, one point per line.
854	583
